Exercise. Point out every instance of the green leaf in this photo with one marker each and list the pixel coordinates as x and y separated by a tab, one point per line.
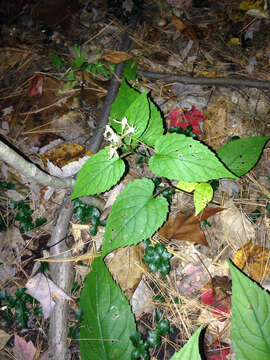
137	114
57	62
241	155
125	97
107	320
78	62
135	215
250	326
98	174
130	70
180	157
191	349
155	126
202	195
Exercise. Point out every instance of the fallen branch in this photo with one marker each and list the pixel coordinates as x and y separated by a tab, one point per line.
62	275
30	170
220	81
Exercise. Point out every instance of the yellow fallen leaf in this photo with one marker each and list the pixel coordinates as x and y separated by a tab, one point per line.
255	259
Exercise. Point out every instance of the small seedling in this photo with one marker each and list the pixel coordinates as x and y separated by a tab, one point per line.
23	216
157	257
153	340
20	302
85	213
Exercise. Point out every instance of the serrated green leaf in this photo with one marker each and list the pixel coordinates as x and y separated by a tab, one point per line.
130	70
57	62
107	318
191	349
137	114
182	158
135	215
202	195
155	126
98	174
241	155
250	326
125	97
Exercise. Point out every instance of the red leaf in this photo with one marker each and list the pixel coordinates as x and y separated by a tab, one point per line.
180	118
35	85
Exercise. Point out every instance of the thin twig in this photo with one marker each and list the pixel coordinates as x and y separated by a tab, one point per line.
221	81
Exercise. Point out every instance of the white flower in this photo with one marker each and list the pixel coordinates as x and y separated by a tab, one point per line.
113	152
124	123
110	135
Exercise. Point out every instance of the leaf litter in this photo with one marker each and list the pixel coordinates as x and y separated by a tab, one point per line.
43	111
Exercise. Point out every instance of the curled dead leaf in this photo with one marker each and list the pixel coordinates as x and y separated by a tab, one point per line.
115	57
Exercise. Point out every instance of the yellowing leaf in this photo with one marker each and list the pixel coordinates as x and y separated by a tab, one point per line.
186	186
202	195
255	259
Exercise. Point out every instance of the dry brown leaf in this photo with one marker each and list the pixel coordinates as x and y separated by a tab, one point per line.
187	228
235	228
64	154
178	24
189	31
124	268
255	259
4	337
115	57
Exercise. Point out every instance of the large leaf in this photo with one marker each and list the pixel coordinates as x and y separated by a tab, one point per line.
107	318
135	215
180	157
250	327
155	126
190	351
125	97
241	155
98	174
138	114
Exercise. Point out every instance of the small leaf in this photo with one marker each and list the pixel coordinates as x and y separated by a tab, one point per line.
107	317
57	62
241	155
135	215
250	327
180	157
98	174
203	194
186	186
190	351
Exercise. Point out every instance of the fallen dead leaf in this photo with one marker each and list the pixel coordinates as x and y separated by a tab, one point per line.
44	290
187	228
64	154
4	337
255	259
115	57
124	268
236	229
